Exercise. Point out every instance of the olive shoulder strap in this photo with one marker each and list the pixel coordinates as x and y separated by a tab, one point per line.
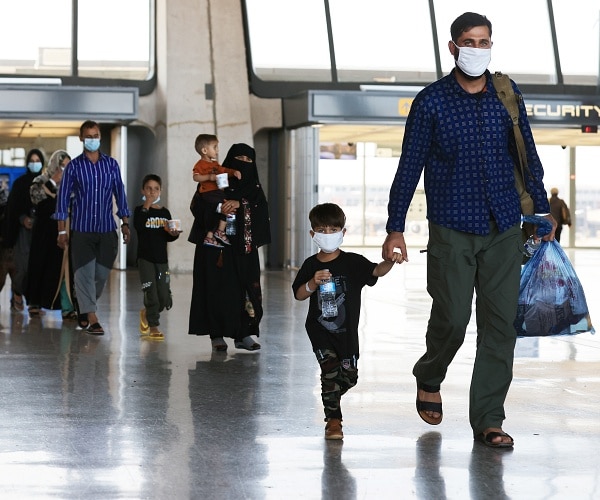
511	101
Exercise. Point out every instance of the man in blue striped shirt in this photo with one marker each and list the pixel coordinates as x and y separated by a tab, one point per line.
460	134
89	183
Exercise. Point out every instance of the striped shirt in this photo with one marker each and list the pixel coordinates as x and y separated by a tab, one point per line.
87	189
463	142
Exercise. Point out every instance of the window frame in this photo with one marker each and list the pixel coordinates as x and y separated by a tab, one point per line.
286	88
145	87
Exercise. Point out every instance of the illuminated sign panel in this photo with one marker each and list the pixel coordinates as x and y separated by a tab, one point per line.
316	106
562	110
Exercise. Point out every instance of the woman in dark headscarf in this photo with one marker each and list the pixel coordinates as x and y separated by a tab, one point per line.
46	286
226	294
18	223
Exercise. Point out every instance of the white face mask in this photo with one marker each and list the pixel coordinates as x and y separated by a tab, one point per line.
328	243
473	61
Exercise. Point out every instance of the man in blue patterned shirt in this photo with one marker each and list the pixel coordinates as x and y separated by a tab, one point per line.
460	134
86	191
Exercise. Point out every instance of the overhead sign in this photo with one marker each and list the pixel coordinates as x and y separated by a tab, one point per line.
68	103
563	110
315	106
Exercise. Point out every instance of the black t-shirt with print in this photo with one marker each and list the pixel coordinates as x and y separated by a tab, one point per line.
350	272
152	237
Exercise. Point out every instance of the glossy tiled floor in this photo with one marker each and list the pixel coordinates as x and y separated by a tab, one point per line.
120	417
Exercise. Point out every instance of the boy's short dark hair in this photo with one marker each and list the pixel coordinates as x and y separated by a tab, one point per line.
204	140
466	21
151	177
327	214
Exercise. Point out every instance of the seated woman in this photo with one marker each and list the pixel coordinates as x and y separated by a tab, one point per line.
226	294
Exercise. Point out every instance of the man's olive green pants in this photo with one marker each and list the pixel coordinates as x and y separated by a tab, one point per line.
459	264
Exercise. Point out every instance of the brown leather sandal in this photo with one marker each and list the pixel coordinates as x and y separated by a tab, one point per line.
429	406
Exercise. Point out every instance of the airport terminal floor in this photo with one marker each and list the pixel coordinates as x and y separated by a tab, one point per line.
122	417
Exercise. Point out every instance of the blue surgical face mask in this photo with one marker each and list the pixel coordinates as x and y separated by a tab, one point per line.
91	144
155	201
34	166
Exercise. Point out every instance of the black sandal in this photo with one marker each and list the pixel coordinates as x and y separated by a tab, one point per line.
425	406
486	439
17	305
34	312
69	316
82	321
219	344
95	329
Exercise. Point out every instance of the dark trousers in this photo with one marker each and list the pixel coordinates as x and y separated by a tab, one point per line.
156	285
558	232
92	257
457	265
337	377
7	267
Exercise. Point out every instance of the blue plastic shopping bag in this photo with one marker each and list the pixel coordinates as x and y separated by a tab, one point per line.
551	298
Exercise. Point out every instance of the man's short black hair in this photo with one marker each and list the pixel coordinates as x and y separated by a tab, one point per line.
151	177
88	124
467	21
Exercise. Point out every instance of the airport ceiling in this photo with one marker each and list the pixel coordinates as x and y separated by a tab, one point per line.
29	129
386	136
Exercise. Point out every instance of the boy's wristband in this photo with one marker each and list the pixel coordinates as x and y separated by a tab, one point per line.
62	232
308	289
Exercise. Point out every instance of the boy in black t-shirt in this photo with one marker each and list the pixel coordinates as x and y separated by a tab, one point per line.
334	339
151	222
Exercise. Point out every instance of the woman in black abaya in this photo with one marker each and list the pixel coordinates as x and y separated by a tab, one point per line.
226	293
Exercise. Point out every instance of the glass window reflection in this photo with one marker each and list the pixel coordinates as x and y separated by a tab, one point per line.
386	42
515	24
126	52
289	47
36	39
578	36
29	44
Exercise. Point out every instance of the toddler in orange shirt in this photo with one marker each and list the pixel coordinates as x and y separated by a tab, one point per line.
205	171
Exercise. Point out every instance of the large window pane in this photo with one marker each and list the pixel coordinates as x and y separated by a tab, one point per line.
125	51
357	176
555	160
587	187
382	41
289	45
35	38
578	35
520	32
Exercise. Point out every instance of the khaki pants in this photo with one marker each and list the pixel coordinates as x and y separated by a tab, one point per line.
457	265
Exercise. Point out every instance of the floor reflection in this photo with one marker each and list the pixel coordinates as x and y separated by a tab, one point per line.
486	473
224	404
123	417
337	483
428	479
